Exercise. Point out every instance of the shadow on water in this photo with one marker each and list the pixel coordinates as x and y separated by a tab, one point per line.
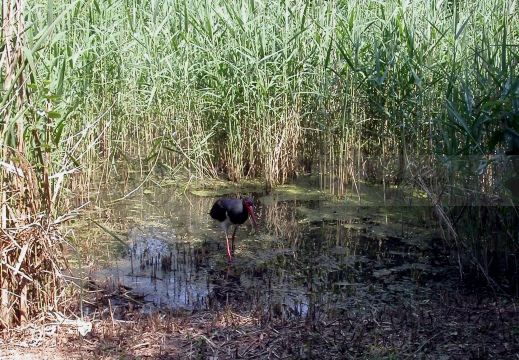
311	258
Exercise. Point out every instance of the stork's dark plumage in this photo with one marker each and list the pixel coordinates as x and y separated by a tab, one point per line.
232	212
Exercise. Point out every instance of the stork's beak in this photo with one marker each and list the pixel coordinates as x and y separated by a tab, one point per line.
249	208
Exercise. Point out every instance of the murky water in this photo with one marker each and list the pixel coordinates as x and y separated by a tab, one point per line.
311	257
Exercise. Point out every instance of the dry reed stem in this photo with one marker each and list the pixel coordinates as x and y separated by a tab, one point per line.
32	263
31	249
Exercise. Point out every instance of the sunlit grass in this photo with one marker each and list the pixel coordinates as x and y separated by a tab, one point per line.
251	88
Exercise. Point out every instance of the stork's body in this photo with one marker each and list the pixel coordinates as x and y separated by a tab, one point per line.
232	212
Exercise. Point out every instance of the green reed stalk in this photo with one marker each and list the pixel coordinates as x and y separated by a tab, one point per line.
252	88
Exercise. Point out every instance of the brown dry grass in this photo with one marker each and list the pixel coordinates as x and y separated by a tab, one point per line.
31	272
469	327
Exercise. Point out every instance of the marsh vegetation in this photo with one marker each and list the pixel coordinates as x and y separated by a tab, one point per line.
416	100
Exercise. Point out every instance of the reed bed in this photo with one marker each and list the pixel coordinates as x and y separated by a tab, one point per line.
391	93
274	89
31	178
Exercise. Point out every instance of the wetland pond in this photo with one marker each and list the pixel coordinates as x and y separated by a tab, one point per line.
314	256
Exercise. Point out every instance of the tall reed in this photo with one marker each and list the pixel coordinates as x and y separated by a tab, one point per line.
254	88
32	167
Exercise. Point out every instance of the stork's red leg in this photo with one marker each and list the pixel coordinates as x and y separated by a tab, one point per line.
228	249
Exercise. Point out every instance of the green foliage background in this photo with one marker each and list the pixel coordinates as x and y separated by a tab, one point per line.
258	87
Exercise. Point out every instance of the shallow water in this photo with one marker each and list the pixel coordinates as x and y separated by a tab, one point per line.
311	258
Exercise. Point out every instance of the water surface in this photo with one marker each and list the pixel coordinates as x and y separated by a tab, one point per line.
313	256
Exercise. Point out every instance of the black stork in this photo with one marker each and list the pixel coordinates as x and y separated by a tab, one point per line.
232	212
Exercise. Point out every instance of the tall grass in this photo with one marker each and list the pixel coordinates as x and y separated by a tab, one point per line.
251	88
